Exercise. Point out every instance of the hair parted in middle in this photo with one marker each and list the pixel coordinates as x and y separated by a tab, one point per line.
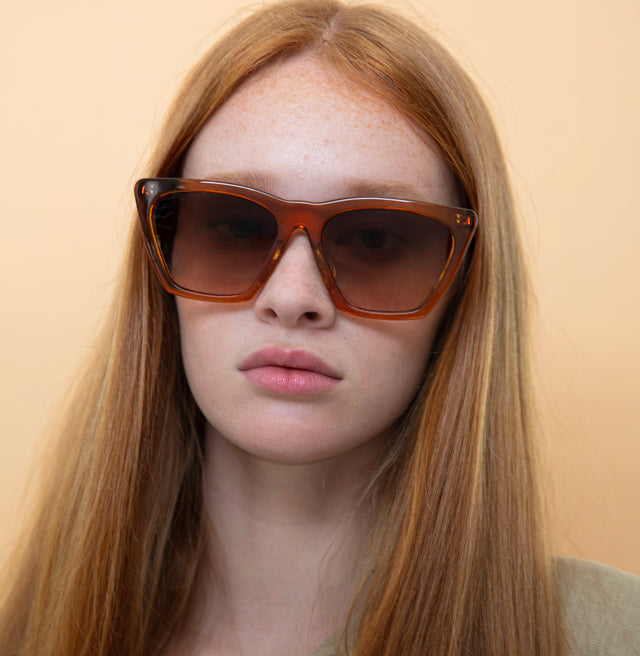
457	561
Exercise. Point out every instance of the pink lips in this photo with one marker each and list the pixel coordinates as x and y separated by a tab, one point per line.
289	372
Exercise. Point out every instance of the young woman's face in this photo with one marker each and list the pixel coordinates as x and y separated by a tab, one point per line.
287	377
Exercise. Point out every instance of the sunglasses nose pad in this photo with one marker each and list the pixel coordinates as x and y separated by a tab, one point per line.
296	290
326	268
320	260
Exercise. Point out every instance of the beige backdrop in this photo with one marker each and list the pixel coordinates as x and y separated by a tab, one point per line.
85	83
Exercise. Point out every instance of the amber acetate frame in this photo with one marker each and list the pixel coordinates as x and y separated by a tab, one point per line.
309	218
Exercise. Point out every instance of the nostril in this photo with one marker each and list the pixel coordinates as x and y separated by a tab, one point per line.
295	293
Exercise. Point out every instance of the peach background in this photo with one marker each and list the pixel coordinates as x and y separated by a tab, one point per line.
84	84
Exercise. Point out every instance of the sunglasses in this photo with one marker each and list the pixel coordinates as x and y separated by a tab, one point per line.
379	257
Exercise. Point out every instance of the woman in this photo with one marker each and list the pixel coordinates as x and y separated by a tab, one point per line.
317	439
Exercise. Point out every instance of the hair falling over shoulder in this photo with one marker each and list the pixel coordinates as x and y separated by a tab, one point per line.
458	562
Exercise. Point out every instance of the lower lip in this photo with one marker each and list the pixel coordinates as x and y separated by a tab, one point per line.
294	382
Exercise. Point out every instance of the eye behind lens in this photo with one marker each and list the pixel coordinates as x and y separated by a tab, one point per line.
218	242
386	260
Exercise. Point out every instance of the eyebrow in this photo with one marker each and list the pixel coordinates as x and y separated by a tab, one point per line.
382	189
247	178
353	187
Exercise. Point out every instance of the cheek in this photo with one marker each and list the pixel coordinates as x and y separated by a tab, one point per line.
194	343
392	359
204	334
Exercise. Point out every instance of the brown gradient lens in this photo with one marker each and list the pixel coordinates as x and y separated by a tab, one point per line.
386	260
213	242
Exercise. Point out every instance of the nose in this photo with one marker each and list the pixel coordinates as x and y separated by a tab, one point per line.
295	294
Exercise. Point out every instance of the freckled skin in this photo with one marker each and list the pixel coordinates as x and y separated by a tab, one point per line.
300	131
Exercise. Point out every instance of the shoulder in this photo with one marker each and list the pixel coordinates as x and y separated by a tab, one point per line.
601	607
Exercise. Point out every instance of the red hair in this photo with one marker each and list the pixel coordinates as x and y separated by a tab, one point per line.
457	551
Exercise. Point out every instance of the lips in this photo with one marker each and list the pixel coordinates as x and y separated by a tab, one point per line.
289	372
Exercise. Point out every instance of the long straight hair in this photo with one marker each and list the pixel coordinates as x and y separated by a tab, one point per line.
458	562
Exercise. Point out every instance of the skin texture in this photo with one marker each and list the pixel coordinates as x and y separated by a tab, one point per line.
283	470
299	133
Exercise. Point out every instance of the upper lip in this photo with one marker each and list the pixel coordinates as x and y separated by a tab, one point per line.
295	359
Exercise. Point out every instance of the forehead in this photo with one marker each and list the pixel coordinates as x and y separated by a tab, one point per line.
300	122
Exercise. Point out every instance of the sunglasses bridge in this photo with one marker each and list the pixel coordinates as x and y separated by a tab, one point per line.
325	269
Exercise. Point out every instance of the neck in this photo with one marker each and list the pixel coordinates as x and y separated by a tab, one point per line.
284	549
